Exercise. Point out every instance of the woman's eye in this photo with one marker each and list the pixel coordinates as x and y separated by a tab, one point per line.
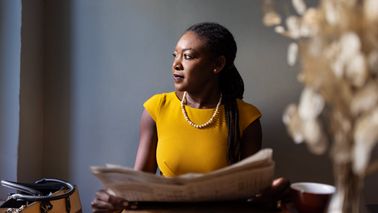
188	57
174	55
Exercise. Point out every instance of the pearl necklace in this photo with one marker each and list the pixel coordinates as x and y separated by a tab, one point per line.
206	124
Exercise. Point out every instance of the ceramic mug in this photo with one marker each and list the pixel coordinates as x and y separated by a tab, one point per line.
309	197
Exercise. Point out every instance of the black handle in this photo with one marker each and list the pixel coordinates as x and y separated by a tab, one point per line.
35	195
20	187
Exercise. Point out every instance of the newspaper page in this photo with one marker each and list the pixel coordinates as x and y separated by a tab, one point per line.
238	181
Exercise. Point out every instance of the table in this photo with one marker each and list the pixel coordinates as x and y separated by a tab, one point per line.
220	207
203	207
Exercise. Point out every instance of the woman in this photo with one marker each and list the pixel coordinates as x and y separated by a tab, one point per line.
204	125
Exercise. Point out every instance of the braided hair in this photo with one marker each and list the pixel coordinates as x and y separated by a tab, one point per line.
221	42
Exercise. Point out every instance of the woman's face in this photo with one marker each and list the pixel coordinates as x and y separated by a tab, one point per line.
193	66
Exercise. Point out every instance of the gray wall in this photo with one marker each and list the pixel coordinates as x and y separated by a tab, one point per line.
88	66
10	34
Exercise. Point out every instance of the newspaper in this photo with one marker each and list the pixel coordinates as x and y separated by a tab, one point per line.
238	181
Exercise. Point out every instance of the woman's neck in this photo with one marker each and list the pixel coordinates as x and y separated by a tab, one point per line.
204	99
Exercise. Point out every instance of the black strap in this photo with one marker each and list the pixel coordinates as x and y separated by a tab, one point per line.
37	195
20	187
45	206
68	204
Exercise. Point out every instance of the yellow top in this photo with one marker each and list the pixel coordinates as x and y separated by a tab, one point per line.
184	149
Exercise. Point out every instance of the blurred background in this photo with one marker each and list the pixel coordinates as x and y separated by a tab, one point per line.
75	73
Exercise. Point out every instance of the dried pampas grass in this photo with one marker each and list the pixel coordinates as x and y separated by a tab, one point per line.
336	44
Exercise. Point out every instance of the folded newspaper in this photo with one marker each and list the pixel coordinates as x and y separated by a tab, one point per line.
237	181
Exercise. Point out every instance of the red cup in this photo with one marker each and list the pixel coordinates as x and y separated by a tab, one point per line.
311	197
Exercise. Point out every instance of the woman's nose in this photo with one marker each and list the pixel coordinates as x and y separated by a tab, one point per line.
177	65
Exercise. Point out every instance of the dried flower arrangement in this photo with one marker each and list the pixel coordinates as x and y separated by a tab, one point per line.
337	46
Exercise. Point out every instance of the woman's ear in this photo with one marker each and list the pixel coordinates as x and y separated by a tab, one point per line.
219	64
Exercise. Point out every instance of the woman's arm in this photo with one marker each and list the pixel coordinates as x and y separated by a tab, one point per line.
279	190
145	161
251	139
146	154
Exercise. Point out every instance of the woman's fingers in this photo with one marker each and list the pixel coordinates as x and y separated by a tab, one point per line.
117	202
102	195
272	196
105	202
280	188
99	204
280	182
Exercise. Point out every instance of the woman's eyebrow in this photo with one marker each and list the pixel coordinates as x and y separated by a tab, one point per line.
185	49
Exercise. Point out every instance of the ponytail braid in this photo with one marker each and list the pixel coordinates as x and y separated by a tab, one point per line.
232	88
221	42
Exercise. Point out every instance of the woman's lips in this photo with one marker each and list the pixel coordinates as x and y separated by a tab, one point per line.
178	78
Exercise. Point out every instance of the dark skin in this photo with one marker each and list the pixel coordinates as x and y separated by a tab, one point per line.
195	70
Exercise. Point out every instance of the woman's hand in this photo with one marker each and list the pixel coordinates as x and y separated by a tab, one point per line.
272	197
105	202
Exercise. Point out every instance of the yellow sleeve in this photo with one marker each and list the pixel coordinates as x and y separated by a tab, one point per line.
248	113
153	105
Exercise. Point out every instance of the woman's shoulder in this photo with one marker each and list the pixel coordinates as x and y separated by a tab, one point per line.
157	102
164	95
161	98
248	113
247	107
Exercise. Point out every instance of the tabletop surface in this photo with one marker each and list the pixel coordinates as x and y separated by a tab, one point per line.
216	207
220	207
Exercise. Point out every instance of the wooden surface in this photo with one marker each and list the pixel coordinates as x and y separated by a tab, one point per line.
205	207
221	207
